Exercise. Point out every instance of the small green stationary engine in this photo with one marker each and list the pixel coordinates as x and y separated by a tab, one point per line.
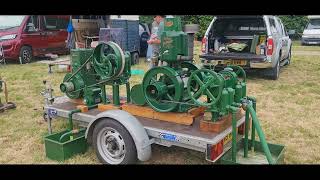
92	69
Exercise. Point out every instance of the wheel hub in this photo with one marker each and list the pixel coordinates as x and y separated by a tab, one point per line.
111	145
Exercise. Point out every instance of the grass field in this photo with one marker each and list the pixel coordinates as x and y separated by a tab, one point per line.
287	108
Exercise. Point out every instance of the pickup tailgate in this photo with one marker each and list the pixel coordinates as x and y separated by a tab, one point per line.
233	56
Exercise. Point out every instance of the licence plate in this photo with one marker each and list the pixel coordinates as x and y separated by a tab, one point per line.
235	62
313	43
227	139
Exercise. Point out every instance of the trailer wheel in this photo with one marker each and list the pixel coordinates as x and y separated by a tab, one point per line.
113	144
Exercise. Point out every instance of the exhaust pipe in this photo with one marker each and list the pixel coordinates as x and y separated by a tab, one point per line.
191	29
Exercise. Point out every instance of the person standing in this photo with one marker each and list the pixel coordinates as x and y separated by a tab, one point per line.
149	50
154	41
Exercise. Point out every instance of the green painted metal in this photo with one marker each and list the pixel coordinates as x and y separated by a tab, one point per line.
239	71
70	125
103	94
244	89
238	93
93	69
156	78
82	75
253	130
108	60
62	150
128	92
174	42
211	86
246	134
230	77
234	133
137	95
92	95
262	138
115	94
277	152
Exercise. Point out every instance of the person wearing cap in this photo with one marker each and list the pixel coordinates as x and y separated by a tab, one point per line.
157	29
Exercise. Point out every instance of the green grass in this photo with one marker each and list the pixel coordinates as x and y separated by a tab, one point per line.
296	46
287	108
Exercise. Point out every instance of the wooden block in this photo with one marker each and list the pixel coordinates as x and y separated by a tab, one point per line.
178	118
105	107
220	125
83	108
136	110
197	111
77	101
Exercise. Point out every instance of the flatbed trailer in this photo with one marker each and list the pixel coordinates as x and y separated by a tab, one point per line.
158	132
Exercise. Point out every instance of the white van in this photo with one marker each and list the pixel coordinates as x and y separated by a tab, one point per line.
311	34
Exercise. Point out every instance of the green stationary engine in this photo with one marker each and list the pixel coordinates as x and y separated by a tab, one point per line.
92	69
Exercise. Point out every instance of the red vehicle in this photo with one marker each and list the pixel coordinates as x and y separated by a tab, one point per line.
23	37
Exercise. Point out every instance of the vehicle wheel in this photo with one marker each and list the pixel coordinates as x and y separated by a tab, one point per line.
135	58
25	54
113	144
289	57
274	75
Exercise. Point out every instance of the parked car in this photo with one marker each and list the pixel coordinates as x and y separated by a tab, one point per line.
23	37
266	43
144	33
311	33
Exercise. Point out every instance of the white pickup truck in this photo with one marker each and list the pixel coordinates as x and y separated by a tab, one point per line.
268	45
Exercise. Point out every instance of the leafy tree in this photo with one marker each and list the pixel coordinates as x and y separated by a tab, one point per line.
296	23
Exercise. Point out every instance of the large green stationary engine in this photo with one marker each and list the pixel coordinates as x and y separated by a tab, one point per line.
181	85
92	69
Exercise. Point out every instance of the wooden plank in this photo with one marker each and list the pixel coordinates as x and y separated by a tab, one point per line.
105	107
138	110
179	118
147	112
77	101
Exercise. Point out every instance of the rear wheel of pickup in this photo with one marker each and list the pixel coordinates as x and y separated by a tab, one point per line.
289	58
25	55
274	72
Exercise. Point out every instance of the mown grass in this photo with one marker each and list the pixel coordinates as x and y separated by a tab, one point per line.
287	108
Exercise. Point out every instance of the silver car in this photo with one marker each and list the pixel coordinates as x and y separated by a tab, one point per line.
266	41
311	34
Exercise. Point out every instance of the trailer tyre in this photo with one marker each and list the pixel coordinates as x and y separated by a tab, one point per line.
113	144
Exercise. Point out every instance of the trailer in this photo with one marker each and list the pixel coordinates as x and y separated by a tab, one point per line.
144	132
